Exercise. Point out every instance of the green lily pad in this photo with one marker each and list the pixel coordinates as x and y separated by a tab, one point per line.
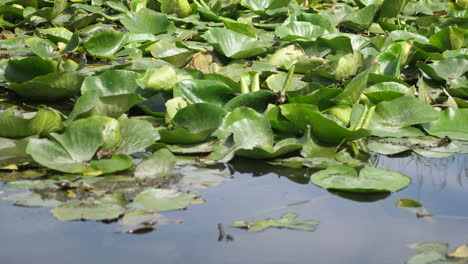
323	128
161	163
451	122
164	200
107	207
111	93
23	70
70	152
146	21
105	44
50	87
386	91
408	203
286	221
193	124
170	52
369	179
394	118
300	30
203	91
17	124
234	45
136	136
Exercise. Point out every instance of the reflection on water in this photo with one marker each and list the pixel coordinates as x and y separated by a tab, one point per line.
349	231
439	173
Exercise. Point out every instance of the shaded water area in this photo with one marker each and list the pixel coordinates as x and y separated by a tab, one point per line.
350	231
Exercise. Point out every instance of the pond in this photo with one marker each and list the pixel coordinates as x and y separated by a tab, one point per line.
349	231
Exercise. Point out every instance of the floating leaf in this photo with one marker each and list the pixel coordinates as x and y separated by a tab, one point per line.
369	179
161	163
164	200
286	221
146	21
234	45
106	208
408	203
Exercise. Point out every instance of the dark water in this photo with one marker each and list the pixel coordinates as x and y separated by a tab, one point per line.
349	231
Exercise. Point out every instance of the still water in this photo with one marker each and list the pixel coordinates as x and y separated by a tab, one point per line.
349	231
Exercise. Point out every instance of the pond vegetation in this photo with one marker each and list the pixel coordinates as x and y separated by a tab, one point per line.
120	110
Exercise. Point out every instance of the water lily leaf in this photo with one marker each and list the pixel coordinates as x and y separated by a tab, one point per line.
427	146
161	163
300	30
444	70
394	118
203	91
41	47
385	91
323	128
32	199
369	179
158	79
346	66
111	93
362	18
136	136
291	55
257	100
50	87
57	34
234	45
393	59
449	38
180	7
106	208
354	89
170	52
70	151
113	82
451	122
286	221
392	8
146	21
408	203
277	82
164	200
141	221
249	128
201	177
118	162
105	44
22	70
193	124
17	124
265	5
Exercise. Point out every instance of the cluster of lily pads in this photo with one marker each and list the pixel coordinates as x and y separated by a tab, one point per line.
102	100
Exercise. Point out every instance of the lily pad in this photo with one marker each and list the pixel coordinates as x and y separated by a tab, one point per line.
17	124
193	124
160	164
286	221
50	87
369	179
234	45
106	208
164	200
70	152
451	122
394	118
